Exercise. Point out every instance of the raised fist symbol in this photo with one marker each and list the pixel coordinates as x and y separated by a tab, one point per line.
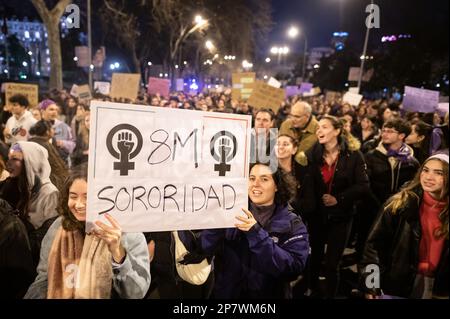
125	145
225	148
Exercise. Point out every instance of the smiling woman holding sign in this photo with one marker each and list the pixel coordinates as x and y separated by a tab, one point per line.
269	246
100	265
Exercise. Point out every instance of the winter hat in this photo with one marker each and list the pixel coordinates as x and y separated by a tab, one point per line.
45	104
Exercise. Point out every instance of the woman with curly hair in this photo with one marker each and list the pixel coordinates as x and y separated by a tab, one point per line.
269	246
409	239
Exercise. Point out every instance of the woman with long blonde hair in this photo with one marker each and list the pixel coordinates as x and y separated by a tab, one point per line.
408	242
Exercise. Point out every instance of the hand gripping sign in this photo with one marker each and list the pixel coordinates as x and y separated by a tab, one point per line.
158	169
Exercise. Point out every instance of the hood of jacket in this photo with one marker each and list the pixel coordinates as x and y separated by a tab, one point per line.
36	162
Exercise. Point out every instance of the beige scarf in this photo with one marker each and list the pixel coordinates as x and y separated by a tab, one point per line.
79	267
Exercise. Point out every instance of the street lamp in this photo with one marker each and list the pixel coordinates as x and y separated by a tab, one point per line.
293	33
209	45
279	51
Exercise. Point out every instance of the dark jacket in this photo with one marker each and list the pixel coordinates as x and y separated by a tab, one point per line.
259	263
163	268
386	180
349	183
16	264
393	245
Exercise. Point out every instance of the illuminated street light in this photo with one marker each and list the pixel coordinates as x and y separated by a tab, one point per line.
149	63
209	45
75	58
292	32
30	53
268	60
117	65
111	66
274	50
24	63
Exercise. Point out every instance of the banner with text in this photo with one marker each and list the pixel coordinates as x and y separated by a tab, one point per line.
266	96
242	85
31	91
161	169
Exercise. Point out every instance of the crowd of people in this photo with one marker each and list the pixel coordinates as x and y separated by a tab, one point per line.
371	178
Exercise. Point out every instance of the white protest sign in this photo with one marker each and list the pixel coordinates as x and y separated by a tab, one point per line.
102	87
274	82
161	169
354	89
352	98
74	90
442	109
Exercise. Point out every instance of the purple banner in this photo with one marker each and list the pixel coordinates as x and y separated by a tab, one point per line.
305	87
420	100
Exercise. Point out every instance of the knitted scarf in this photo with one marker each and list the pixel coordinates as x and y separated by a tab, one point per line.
79	267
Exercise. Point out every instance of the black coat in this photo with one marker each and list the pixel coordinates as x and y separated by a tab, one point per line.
349	183
385	181
393	245
16	264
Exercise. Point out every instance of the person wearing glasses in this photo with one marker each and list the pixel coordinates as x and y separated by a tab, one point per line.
302	126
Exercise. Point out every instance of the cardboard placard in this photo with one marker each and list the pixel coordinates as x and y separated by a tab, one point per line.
84	93
200	181
158	86
31	91
266	96
125	85
242	85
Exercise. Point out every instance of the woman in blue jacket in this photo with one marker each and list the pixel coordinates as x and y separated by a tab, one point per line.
269	246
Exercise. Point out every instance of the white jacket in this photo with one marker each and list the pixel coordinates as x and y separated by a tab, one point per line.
20	128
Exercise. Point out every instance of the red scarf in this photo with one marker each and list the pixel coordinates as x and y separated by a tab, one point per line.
430	248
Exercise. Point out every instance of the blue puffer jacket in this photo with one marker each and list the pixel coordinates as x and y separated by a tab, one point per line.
259	263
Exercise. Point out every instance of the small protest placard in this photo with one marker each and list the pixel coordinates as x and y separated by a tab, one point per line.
125	85
420	100
31	91
266	96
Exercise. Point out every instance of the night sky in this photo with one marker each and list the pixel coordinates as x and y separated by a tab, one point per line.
320	18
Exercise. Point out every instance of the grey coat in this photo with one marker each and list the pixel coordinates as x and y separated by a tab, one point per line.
131	279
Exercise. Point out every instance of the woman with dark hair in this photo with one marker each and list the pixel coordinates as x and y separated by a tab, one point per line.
42	133
366	129
70	109
30	192
419	139
101	265
335	175
267	249
81	151
408	242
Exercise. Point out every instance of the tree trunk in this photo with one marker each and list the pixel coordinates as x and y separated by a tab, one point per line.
51	21
54	43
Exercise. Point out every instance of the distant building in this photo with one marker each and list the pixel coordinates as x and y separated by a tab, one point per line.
32	35
315	54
